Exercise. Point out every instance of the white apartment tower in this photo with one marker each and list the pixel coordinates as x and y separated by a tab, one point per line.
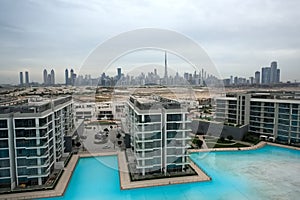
160	134
32	138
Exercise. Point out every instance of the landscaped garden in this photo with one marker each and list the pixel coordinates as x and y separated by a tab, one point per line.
228	142
217	142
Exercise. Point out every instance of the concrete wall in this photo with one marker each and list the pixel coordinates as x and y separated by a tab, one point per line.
218	129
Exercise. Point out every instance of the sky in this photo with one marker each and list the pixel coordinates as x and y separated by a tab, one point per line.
239	36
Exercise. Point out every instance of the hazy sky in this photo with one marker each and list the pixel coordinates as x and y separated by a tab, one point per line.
240	36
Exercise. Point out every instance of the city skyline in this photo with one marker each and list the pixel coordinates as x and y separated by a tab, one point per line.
266	76
252	34
135	69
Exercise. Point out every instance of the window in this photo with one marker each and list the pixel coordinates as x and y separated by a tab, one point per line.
3	134
3	144
24	123
152	118
4	153
174	117
3	123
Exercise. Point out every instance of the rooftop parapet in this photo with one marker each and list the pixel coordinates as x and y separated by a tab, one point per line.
32	106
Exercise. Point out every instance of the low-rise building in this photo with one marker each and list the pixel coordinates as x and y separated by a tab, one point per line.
274	115
85	111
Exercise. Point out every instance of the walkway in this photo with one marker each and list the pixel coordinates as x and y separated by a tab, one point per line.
62	183
126	183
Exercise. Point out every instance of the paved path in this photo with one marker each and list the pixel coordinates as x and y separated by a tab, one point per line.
61	185
126	183
124	176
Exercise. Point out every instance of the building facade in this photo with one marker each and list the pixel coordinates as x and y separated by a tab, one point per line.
270	114
21	78
32	139
27	78
160	134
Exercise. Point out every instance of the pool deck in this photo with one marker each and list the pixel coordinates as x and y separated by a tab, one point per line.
123	174
126	183
257	146
62	183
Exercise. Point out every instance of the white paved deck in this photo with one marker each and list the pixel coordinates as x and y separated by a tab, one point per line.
259	145
124	176
62	183
126	183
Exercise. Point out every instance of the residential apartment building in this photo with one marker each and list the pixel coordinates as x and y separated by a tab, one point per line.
32	139
160	133
110	110
85	111
271	114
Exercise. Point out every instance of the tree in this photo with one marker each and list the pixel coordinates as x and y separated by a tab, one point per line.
78	144
222	139
106	130
230	137
197	142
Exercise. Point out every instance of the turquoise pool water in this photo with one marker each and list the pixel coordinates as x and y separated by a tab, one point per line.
267	173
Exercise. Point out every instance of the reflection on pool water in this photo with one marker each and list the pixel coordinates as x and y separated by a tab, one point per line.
267	173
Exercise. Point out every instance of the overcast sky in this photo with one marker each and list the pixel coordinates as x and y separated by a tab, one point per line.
240	36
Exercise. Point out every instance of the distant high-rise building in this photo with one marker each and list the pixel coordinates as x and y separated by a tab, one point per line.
26	78
49	79
266	75
72	77
155	72
67	77
278	76
186	76
251	80
119	73
257	77
166	69
236	80
273	72
21	78
45	76
52	77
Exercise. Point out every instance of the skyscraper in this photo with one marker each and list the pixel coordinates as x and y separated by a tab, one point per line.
66	76
265	75
52	77
72	77
21	78
45	76
166	70
278	76
273	72
257	77
26	78
119	73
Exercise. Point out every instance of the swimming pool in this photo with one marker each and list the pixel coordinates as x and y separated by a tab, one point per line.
266	173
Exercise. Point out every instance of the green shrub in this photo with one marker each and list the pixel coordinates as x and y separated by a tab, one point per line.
230	137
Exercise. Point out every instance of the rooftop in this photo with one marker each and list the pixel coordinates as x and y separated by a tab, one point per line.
275	95
154	102
32	105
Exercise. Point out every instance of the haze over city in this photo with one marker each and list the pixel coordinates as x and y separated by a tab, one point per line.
239	36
